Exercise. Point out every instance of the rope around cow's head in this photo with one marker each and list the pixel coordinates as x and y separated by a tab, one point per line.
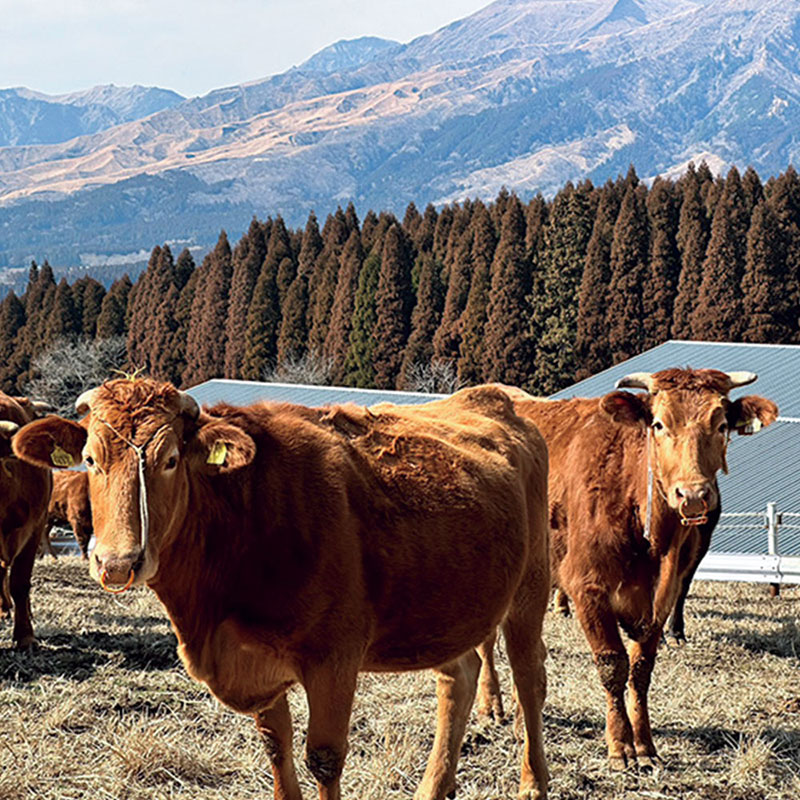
144	512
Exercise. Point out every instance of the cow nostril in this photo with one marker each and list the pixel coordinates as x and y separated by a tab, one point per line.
678	492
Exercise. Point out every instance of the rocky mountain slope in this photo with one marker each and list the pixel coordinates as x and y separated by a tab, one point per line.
527	94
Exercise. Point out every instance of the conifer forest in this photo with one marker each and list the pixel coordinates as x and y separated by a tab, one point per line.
535	294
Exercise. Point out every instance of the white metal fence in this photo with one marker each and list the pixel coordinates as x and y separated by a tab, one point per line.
769	567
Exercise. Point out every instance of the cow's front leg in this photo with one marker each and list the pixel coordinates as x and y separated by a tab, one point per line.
642	656
330	688
275	726
490	698
20	585
456	684
600	626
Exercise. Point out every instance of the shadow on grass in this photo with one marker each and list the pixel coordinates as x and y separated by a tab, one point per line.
78	657
783	642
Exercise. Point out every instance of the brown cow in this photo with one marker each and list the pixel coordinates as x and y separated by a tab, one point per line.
24	494
69	503
621	563
295	545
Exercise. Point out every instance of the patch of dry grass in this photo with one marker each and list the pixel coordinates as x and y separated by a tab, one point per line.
105	710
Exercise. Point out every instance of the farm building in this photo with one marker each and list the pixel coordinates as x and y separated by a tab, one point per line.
758	537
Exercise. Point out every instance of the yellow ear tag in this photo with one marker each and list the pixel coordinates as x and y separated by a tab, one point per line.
753	426
61	458
217	454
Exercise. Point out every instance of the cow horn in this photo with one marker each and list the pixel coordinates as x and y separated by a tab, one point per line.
8	427
636	380
83	405
42	406
741	378
187	405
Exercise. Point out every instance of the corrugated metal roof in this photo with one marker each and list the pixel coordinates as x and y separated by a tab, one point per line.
762	467
243	393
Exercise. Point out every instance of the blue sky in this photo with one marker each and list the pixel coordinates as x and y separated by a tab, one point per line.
192	47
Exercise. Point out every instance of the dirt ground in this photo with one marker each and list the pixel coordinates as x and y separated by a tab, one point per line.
105	710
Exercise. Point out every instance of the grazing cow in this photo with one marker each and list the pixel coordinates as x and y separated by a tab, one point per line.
632	489
295	545
69	503
24	494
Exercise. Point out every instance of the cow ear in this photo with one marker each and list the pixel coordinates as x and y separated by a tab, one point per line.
626	408
749	414
50	442
217	448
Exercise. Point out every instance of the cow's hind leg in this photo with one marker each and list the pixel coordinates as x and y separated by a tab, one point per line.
692	553
5	597
456	684
490	698
526	654
600	626
275	726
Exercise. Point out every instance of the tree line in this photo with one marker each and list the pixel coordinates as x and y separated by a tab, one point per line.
535	294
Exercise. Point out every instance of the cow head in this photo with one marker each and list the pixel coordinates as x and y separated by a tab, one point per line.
690	419
141	441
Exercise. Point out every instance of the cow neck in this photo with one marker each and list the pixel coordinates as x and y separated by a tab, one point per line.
144	511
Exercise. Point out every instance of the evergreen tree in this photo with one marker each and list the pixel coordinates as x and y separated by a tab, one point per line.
553	298
591	337
425	317
111	320
769	315
64	320
508	352
457	275
629	255
752	189
692	241
264	317
717	315
12	320
661	281
279	253
38	300
183	320
88	295
411	221
535	224
441	233
394	302
338	337
335	234
784	197
368	230
205	343
248	258
423	239
473	319
359	365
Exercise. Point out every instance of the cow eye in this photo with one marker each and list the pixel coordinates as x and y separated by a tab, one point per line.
172	462
89	461
723	427
658	425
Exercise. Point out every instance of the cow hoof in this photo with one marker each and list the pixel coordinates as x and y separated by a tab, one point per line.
27	644
649	762
676	640
492	711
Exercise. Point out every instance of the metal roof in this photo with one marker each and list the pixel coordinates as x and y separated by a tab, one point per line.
762	467
243	393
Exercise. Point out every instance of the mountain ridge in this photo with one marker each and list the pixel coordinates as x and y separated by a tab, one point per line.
523	94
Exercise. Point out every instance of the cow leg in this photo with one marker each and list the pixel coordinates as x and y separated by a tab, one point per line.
82	537
20	585
275	727
329	689
5	597
600	626
456	684
642	656
695	547
526	654
561	602
490	699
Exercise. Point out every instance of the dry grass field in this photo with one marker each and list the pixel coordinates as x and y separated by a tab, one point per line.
105	710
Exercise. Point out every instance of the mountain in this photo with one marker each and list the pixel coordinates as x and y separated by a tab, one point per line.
28	117
527	94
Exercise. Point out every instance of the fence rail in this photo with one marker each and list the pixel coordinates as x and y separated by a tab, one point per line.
770	567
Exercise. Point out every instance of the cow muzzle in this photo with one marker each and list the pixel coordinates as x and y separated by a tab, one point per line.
694	502
116	574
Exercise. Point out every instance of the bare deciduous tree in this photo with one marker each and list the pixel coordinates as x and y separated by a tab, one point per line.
70	366
312	369
437	376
